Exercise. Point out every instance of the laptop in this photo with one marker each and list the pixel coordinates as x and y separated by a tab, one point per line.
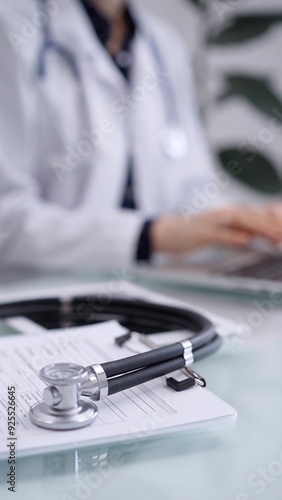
242	271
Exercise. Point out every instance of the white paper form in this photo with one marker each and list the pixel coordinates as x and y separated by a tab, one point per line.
149	409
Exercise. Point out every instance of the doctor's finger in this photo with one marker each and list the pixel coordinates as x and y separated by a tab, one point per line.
257	223
230	237
275	211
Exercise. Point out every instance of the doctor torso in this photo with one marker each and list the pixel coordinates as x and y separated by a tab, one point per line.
89	130
72	139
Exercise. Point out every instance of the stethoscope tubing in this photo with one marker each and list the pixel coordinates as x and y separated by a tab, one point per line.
147	366
136	315
146	317
120	383
143	360
132	379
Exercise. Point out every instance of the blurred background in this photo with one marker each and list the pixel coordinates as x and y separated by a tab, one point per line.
236	51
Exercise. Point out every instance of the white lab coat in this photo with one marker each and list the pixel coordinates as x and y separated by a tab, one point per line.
59	196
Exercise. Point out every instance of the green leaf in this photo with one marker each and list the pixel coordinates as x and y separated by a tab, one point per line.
257	91
197	3
257	172
243	28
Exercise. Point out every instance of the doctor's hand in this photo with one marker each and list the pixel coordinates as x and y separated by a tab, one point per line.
275	211
232	226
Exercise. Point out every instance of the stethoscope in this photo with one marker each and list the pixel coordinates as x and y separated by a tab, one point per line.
173	138
68	399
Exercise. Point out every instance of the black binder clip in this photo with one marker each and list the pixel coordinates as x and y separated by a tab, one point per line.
192	378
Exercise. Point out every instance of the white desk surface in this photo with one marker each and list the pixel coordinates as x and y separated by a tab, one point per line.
237	463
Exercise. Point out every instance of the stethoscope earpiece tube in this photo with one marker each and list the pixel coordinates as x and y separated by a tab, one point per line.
208	349
139	377
144	360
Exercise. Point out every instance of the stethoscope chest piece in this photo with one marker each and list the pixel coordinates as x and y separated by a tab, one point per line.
61	408
174	142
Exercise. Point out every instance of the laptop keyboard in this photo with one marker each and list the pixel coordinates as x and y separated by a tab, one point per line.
270	268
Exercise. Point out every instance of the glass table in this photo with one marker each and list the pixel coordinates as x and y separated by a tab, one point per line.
240	462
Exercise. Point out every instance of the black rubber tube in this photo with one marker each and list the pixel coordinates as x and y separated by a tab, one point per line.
208	349
129	380
140	315
203	338
146	359
144	316
30	308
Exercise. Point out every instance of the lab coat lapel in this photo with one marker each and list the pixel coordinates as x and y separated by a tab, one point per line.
148	119
62	99
101	86
74	29
110	137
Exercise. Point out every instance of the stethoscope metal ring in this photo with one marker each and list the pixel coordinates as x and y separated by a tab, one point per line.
62	407
63	374
47	417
